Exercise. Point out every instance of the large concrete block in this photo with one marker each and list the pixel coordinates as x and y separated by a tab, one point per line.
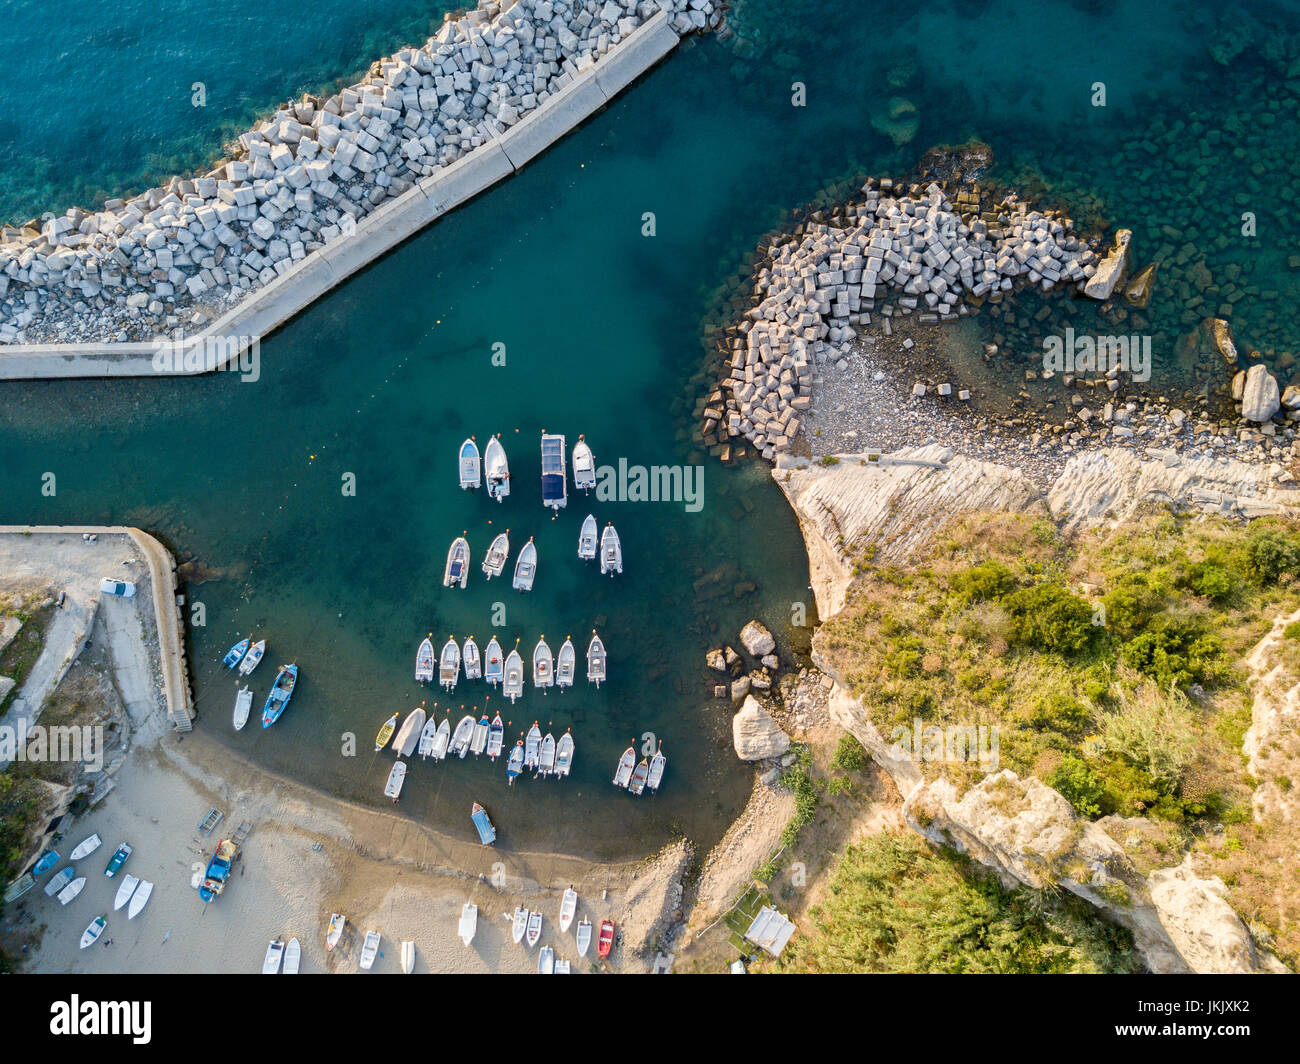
467	177
634	55
572	105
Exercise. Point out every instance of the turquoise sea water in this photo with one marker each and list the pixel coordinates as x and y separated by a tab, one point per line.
601	326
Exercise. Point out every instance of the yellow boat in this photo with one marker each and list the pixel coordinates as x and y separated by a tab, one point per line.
385	733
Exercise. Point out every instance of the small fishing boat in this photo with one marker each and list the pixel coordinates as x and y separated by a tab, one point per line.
468	922
606	941
534	929
546	756
124	892
583	935
274	954
449	665
408	735
595	660
568	907
424	661
427	735
494	564
512	683
72	890
369	950
496	738
441	740
243	704
254	658
611	551
532	746
457	571
59	880
637	783
91	935
555	492
561	967
657	765
584	466
470	465
385	732
546	961
48	860
566	664
519	924
462	736
408	958
235	654
471	659
393	788
494	666
118	859
139	899
292	957
496	470
281	691
217	874
480	740
587	539
564	754
515	763
526	567
543	665
487	834
624	771
334	931
86	847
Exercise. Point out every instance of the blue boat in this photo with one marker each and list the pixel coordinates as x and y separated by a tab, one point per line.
281	692
47	862
235	654
487	834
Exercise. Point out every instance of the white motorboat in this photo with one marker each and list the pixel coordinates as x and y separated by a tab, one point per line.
468	922
72	890
534	929
369	950
564	754
526	567
583	936
96	928
480	740
515	762
274	954
546	756
427	736
546	961
470	465
464	732
512	684
566	664
292	957
243	704
595	660
555	491
494	563
424	658
657	765
457	572
496	738
532	746
626	763
449	665
494	665
408	735
519	924
561	967
335	930
441	740
496	470
611	551
584	466
124	892
393	788
587	539
568	906
543	665
139	899
253	658
471	660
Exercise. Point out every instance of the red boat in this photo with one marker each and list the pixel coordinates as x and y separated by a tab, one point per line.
606	940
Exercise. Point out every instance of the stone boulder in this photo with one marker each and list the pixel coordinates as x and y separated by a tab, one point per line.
1260	398
1110	271
755	734
757	639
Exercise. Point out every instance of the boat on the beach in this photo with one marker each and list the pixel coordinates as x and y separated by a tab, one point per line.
441	740
334	931
532	746
427	734
118	859
494	562
124	892
546	756
457	571
494	665
487	834
385	732
282	690
480	740
369	950
462	736
587	538
408	958
468	922
534	929
138	900
555	492
546	961
519	924
496	470
217	874
471	659
496	738
86	847
243	705
424	658
637	783
48	860
512	682
595	660
449	665
408	735
292	957
584	466
561	967
235	654
583	936
393	788
274	954
625	765
606	941
96	928
526	567
59	880
543	665
72	890
564	754
470	465
254	658
568	907
566	664
611	551
515	763
657	765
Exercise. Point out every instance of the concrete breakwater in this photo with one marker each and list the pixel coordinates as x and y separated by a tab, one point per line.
211	264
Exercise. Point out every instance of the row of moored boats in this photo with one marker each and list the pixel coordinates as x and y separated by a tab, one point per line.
456	572
246	656
549	670
493	468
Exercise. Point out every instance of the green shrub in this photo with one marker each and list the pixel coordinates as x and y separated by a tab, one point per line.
1049	617
1078	785
1210	580
1057	711
1132	602
1291	631
1269	553
1175	650
980	583
1153	730
849	755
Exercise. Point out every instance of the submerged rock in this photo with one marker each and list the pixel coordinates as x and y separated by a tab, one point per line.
1137	292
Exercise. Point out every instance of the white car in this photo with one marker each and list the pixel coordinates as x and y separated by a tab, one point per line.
116	587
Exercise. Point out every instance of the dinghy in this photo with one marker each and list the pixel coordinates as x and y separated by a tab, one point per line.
385	733
424	661
606	941
274	954
494	564
47	861
487	834
449	666
369	950
515	763
584	937
281	691
595	660
532	746
138	900
519	924
534	929
657	765
243	703
427	734
118	859
494	666
468	922
292	957
546	961
335	930
624	771
235	654
584	466
543	665
72	890
526	567
59	880
441	740
496	470
555	492
408	735
462	736
479	742
457	571
512	683
255	654
496	738
546	756
564	754
611	551
470	467
86	847
637	783
124	892
393	788
587	539
408	958
471	660
566	664
91	935
568	906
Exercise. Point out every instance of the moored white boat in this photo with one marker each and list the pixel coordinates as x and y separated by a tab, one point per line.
393	788
512	682
543	665
408	735
462	736
468	922
274	954
408	958
546	756
449	665
427	734
471	660
532	746
424	658
546	961
555	490
292	957
564	750
637	783
657	765
494	665
568	906
526	567
496	470
441	740
583	937
335	930
72	890
96	928
566	664
623	773
59	880
611	551
369	950
253	658
243	704
584	466
534	929
519	924
494	562
470	465
86	847
561	967
124	892
515	763
139	898
596	660
496	738
587	538
480	739
457	572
